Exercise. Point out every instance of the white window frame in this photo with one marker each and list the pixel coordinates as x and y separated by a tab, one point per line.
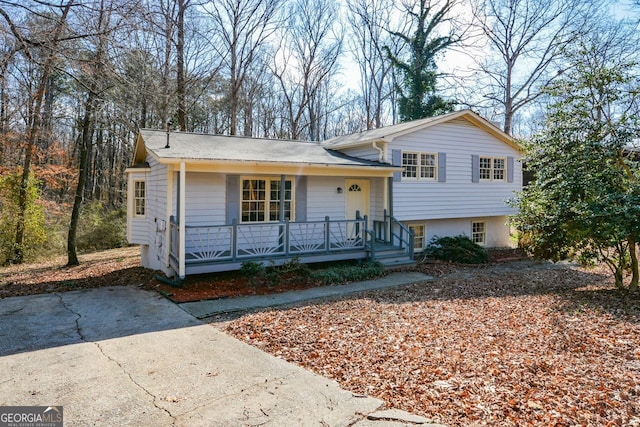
478	235
423	236
492	170
139	198
267	201
421	166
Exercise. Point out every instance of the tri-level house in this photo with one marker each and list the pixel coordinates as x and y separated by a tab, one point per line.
204	203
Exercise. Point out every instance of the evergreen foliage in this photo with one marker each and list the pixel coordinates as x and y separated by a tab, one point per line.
459	249
417	96
585	200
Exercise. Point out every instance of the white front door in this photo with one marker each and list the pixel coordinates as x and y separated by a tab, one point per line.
357	198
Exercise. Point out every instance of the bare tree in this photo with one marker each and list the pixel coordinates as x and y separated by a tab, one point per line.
527	37
93	77
307	58
244	27
49	46
180	68
368	20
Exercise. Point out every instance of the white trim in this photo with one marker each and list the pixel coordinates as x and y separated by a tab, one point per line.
130	213
482	233
267	200
182	232
492	169
136	215
419	166
424	235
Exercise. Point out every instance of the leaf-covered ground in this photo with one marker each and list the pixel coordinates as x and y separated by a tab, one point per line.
115	267
510	345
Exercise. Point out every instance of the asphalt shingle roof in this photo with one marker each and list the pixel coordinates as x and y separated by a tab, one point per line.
183	145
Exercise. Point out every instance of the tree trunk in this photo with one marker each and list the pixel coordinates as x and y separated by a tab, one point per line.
85	146
72	255
508	103
633	285
180	84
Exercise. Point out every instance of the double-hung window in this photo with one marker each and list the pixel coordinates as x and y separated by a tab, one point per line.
139	198
419	165
492	169
419	236
479	232
261	199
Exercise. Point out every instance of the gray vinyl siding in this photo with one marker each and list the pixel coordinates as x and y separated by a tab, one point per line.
377	199
458	197
156	213
323	198
366	152
205	199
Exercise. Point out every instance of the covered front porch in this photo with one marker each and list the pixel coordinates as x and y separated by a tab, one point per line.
216	221
213	248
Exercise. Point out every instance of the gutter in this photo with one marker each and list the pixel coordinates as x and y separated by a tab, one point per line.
175	160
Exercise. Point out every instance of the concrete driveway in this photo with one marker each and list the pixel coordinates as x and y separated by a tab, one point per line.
123	356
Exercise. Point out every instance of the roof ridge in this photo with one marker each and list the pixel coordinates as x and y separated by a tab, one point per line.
230	136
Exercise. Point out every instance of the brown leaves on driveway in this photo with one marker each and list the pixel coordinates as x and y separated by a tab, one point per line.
515	344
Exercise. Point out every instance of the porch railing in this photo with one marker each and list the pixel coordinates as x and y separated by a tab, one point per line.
210	243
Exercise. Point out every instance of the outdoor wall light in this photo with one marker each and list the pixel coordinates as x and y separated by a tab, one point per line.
339	190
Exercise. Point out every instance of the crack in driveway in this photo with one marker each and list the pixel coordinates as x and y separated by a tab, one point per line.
111	359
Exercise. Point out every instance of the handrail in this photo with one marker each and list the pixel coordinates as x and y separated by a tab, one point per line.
404	230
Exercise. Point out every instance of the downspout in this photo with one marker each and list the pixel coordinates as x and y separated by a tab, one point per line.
381	155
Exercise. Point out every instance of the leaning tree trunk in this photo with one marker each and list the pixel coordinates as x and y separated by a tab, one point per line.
72	255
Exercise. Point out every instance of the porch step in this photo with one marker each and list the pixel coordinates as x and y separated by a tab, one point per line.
395	262
392	257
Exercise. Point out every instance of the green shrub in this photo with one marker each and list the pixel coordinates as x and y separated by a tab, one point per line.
294	268
345	274
252	269
456	249
101	228
34	219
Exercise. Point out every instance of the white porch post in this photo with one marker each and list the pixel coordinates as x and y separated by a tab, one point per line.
282	190
385	194
182	221
169	205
